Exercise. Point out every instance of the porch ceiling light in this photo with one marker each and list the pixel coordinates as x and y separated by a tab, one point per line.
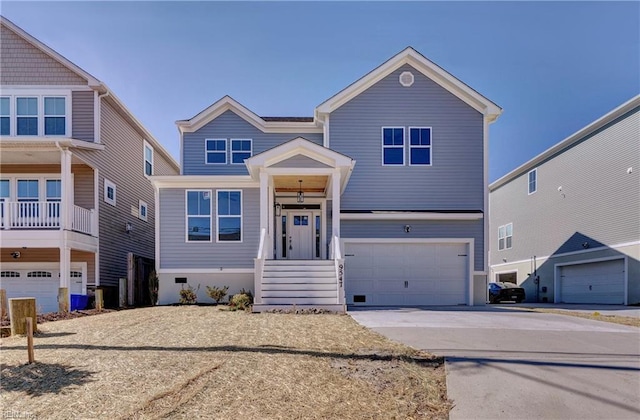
300	193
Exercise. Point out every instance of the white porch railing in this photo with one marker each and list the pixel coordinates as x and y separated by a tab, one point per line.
335	253
44	215
263	250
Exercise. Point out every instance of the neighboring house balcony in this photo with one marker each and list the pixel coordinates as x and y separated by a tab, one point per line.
47	215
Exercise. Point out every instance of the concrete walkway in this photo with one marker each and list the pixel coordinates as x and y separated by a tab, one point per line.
504	363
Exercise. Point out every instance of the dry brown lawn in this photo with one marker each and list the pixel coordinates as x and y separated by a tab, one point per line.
200	362
597	316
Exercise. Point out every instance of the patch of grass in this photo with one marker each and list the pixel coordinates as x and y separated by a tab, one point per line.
201	362
597	316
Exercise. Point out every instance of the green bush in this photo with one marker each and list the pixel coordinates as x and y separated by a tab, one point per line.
217	293
241	301
189	296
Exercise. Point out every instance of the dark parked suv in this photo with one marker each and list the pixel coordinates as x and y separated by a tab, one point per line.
499	292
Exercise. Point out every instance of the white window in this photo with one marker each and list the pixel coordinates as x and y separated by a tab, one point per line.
5	116
55	120
505	236
216	151
419	146
229	216
240	150
109	192
392	146
533	181
27	116
142	210
148	159
198	204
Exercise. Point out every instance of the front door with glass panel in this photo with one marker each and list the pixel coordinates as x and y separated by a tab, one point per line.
300	236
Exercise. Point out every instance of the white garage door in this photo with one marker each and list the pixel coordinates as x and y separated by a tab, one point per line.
406	273
41	283
597	282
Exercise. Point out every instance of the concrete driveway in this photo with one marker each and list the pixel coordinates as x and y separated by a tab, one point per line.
505	363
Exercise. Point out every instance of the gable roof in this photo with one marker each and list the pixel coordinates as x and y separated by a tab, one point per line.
423	65
267	124
93	83
567	142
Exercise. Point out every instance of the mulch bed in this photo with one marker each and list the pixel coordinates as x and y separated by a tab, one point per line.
57	316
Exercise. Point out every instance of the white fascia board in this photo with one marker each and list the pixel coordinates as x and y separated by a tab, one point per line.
31	238
203	181
81	242
228	103
564	144
426	67
92	81
411	216
299	171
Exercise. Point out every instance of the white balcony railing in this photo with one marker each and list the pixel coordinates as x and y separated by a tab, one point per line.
43	215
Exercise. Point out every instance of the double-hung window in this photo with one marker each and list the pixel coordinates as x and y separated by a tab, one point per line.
109	192
240	150
28	196
216	151
392	146
142	210
55	120
148	159
27	116
5	116
420	145
533	181
229	216
5	193
53	197
505	236
198	216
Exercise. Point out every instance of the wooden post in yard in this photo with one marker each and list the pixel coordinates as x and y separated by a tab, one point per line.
19	310
99	300
3	303
30	340
63	299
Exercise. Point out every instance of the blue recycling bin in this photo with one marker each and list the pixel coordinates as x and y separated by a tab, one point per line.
79	302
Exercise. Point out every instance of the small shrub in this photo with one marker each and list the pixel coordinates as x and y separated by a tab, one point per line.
153	287
188	296
241	301
217	293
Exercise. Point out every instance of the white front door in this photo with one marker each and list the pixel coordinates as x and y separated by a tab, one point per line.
300	241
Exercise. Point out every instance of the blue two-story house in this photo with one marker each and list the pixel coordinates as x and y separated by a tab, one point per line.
380	198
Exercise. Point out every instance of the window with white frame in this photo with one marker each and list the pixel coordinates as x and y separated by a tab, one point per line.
240	150
229	216
533	181
53	197
198	205
27	116
148	159
216	151
505	236
142	210
5	194
419	145
55	120
5	116
109	192
392	146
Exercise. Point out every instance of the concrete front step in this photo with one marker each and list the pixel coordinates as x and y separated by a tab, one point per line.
302	285
333	308
299	300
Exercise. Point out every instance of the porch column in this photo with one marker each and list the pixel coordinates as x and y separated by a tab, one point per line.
264	201
335	201
271	217
65	282
66	210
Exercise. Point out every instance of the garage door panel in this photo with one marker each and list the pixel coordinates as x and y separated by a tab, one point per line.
435	274
597	282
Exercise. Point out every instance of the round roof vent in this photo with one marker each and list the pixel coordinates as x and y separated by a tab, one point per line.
406	78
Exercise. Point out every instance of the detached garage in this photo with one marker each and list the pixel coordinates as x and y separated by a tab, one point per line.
396	273
40	281
603	282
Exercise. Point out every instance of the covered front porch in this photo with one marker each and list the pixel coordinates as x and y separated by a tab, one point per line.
299	261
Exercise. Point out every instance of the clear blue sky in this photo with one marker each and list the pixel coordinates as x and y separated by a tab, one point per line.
553	66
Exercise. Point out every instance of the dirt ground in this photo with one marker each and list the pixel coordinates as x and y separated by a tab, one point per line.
201	362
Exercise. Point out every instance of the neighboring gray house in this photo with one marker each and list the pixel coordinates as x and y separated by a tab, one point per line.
570	217
75	168
279	205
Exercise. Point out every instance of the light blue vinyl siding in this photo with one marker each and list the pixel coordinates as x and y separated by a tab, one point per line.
230	126
175	252
419	229
454	181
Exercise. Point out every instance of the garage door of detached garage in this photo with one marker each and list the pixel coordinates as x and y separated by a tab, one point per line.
595	282
406	273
